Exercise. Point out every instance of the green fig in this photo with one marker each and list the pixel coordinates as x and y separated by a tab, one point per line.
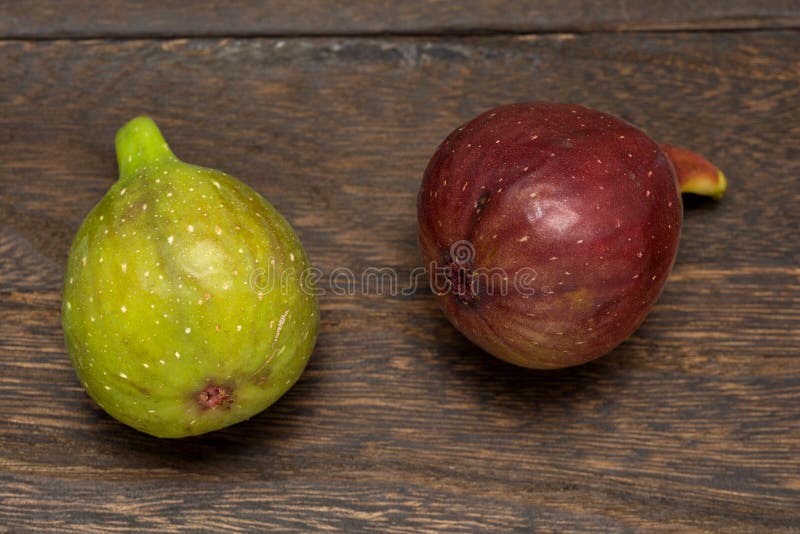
187	303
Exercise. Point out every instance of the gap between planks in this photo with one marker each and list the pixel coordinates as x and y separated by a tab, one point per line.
792	24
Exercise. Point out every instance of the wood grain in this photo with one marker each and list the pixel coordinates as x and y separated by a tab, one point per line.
170	18
399	424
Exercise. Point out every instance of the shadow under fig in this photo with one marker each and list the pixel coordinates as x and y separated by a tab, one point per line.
209	453
699	203
517	389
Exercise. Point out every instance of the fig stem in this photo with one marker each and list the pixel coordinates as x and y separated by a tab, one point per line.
695	173
140	144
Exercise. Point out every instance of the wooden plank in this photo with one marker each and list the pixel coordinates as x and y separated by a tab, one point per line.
399	424
170	18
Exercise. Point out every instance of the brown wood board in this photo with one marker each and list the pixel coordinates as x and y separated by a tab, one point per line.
170	18
399	423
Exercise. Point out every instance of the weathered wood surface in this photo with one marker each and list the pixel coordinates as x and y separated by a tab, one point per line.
399	424
121	18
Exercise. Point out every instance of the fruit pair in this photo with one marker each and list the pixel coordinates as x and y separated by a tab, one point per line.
186	307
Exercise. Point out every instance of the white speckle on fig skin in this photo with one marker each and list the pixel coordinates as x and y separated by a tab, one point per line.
280	326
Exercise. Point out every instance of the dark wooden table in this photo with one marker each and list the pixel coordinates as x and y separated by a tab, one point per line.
331	110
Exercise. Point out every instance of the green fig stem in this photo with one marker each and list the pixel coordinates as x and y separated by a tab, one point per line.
140	144
695	173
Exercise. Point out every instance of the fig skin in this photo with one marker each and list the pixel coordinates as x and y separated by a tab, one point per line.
170	319
580	212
